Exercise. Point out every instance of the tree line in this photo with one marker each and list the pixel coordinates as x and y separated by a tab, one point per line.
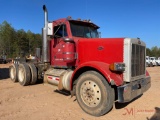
17	43
153	52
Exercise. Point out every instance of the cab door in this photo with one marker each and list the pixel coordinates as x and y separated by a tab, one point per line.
57	44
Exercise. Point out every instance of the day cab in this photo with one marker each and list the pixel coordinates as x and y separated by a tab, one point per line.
98	71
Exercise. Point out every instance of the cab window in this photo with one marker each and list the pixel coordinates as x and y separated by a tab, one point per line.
60	31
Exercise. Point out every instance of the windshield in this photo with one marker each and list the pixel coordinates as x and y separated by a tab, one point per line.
83	30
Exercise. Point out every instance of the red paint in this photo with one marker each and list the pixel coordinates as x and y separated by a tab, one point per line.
147	73
49	77
63	53
51	49
57	79
103	68
107	50
53	78
97	53
69	52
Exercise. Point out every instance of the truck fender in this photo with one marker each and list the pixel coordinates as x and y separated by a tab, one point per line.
102	68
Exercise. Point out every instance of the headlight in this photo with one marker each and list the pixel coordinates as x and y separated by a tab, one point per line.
117	66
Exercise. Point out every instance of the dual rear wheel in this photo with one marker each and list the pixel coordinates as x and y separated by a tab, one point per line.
24	73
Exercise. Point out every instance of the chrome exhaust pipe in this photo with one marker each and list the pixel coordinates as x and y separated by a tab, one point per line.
45	16
45	42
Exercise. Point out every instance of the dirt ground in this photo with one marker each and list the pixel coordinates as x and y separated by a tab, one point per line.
42	102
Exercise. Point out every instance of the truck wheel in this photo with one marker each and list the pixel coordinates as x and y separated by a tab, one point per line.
13	70
151	65
33	70
94	95
24	74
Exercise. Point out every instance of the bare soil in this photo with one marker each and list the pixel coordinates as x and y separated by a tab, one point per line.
42	102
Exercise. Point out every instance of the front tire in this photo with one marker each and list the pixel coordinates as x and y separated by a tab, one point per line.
24	74
94	95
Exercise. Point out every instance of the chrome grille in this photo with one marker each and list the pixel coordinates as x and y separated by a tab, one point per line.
137	60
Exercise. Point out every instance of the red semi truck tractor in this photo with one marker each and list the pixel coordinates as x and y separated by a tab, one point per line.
98	71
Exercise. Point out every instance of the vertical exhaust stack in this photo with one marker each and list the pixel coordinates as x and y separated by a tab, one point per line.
45	42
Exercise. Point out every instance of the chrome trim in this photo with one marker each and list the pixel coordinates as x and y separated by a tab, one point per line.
45	42
127	55
133	89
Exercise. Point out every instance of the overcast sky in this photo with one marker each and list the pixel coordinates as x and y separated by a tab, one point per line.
116	18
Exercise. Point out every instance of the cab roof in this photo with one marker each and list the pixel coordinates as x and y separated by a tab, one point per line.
87	22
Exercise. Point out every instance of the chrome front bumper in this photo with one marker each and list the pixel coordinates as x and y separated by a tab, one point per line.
133	89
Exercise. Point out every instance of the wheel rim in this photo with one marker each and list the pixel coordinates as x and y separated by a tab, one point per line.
12	73
90	93
21	75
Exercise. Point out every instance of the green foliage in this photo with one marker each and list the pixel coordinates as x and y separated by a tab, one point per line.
148	52
6	38
15	43
153	52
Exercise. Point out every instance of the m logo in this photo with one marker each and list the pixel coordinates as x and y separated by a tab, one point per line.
128	111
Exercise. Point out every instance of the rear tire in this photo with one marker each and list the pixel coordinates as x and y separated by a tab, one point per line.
24	74
33	71
94	95
13	72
